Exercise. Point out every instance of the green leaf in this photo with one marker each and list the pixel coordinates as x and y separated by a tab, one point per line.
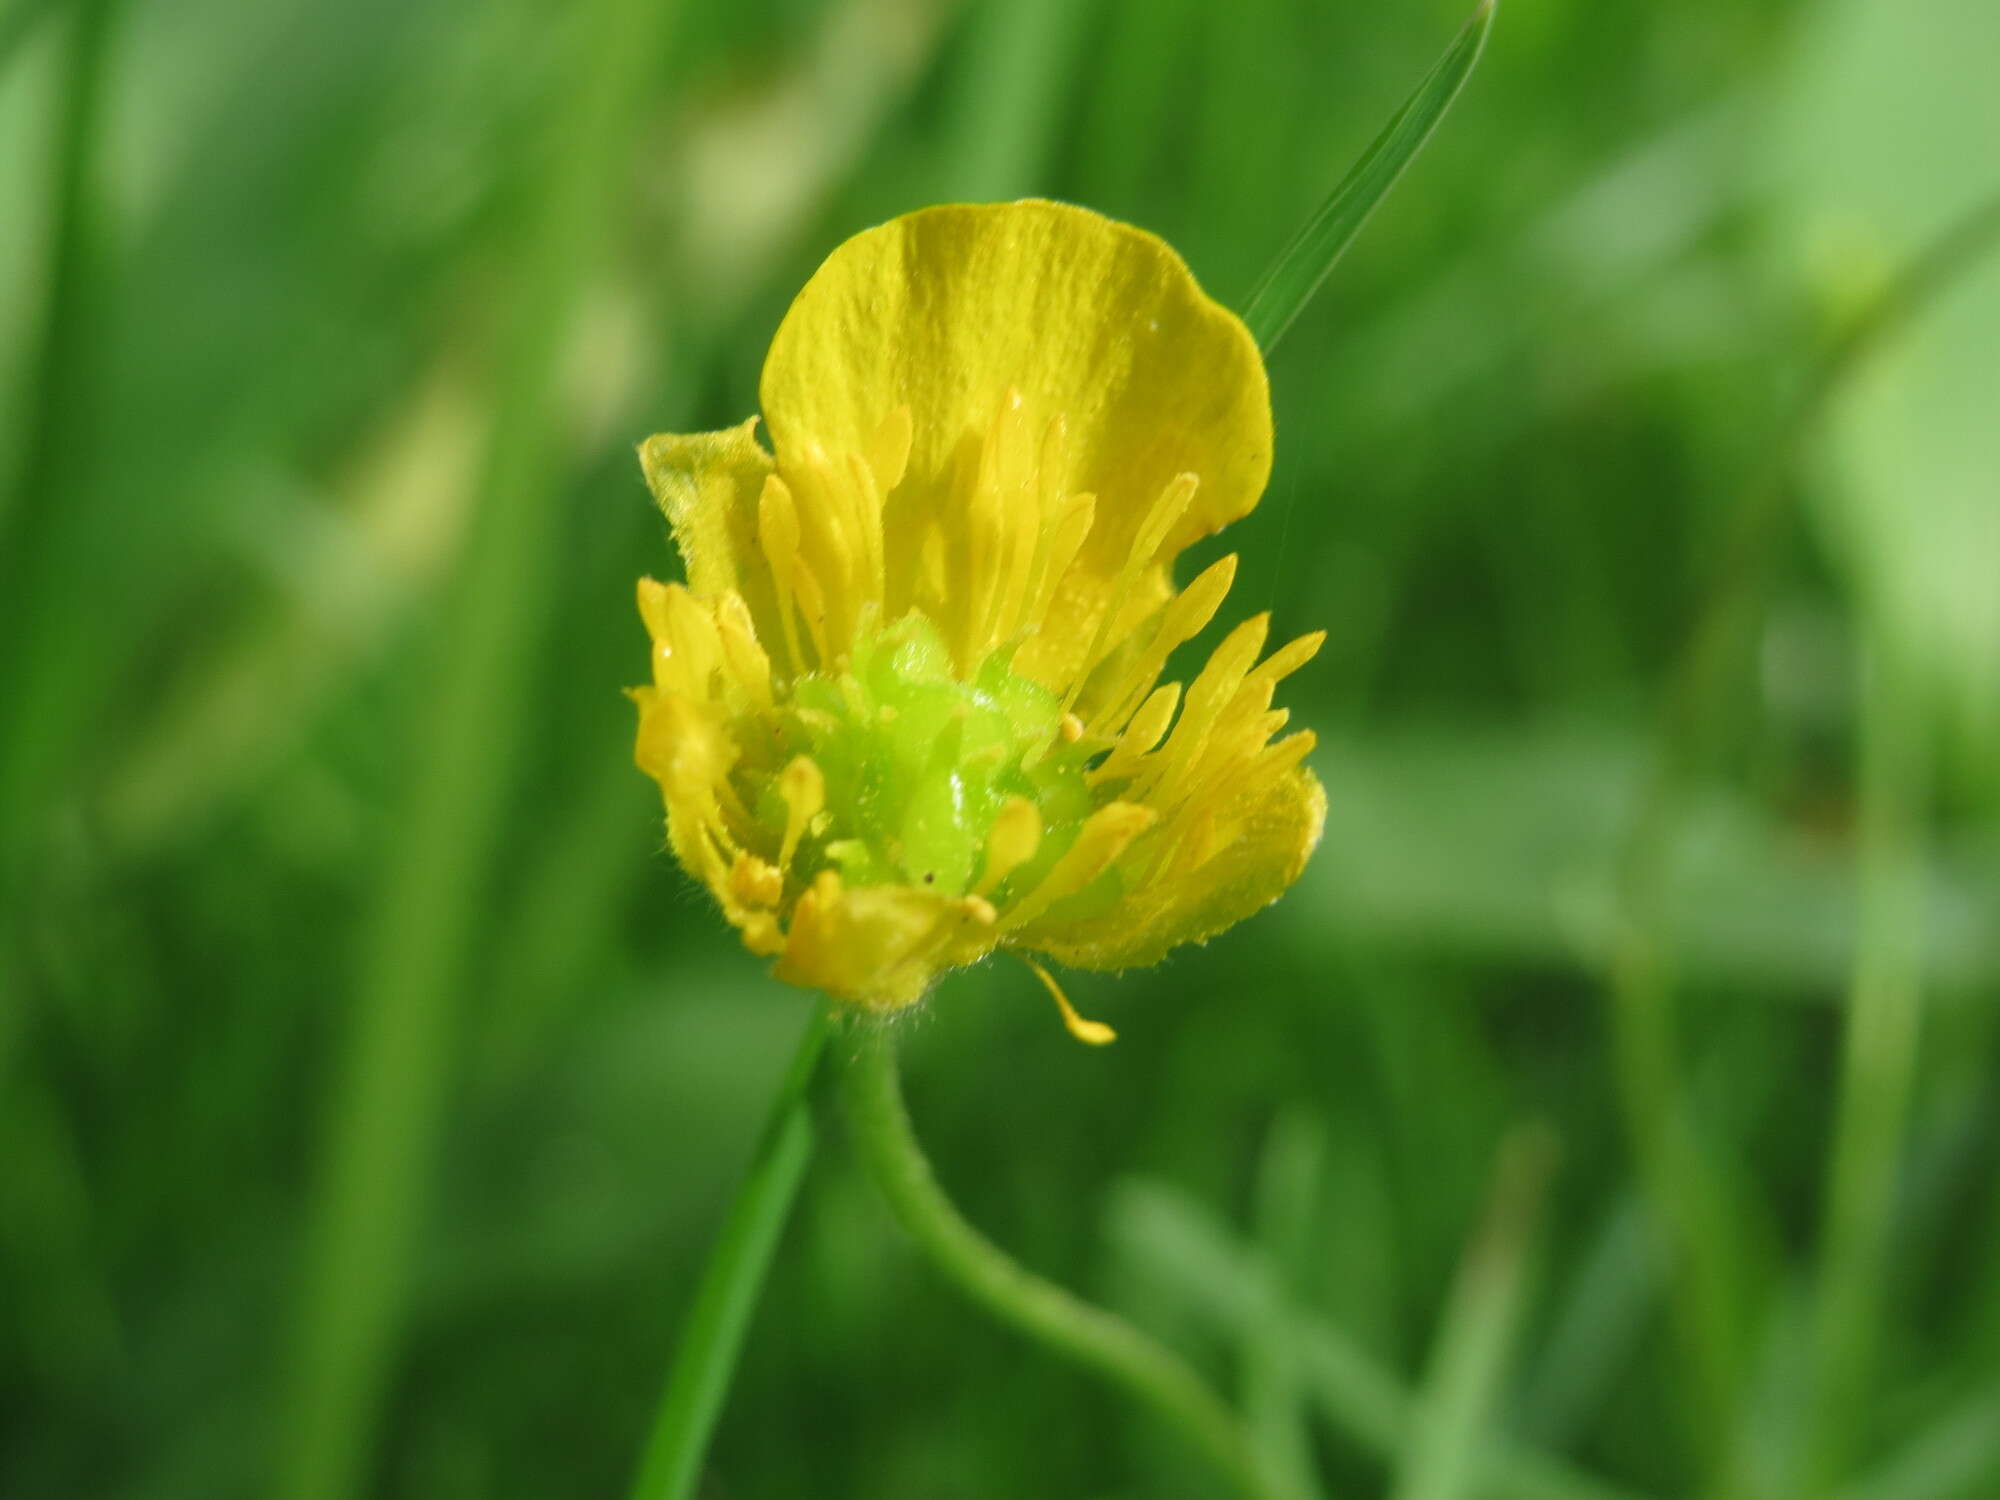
1297	274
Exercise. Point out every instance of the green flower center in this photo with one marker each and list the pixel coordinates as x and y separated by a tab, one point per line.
919	761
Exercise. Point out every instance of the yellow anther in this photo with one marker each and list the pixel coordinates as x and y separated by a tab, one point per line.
889	453
754	881
653	606
1062	539
778	533
832	545
747	663
684	749
812	604
1163	517
1288	658
1273	760
1196	604
1165	514
980	910
1016	835
1104	836
869	494
695	641
1071	729
804	790
762	935
1092	1033
1141	736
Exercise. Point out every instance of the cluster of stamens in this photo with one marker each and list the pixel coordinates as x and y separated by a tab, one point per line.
933	726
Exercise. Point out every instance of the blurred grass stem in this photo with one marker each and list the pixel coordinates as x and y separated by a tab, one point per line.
1685	1190
1878	1064
1450	1421
388	1091
706	1358
40	709
1173	1237
1089	1336
1289	1175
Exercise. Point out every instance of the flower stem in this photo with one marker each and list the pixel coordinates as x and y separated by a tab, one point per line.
872	1091
1879	1060
735	1273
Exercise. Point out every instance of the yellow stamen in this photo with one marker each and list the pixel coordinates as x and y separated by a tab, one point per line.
804	790
812	604
761	934
693	633
1091	1033
778	533
869	493
1185	617
1213	690
1171	504
832	540
1016	835
1018	482
1061	539
1141	736
1103	837
889	453
749	667
755	883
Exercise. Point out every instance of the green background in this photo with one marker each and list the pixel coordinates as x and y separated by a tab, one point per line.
326	336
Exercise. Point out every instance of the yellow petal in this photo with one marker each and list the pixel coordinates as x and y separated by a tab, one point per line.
1098	324
879	947
707	484
1257	848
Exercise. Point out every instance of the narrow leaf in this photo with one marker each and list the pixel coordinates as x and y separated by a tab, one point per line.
1297	274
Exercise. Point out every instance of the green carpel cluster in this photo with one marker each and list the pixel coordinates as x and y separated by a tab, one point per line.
918	762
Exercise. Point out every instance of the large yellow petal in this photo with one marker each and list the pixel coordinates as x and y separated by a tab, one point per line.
947	310
1263	841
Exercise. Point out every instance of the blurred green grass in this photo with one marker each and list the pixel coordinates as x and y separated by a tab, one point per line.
263	279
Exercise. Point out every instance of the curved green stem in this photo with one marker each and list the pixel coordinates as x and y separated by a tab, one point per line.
1145	1370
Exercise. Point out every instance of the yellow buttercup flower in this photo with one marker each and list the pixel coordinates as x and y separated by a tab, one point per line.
906	709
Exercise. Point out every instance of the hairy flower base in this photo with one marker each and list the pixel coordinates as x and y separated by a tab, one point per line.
906	710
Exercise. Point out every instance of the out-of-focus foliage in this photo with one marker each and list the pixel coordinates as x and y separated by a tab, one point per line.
265	273
1910	495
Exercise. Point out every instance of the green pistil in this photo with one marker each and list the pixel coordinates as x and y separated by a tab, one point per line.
918	762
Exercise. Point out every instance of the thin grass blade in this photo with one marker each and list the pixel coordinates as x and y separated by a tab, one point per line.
1449	1423
1167	1235
1305	263
1289	1179
417	959
737	1266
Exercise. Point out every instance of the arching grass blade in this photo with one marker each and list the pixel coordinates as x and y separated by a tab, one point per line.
1291	282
